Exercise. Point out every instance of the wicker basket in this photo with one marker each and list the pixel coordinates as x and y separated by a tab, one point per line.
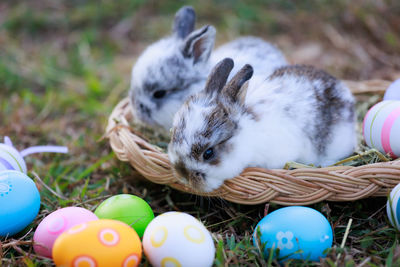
256	185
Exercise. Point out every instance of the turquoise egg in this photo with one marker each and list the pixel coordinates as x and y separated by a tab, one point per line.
19	202
299	233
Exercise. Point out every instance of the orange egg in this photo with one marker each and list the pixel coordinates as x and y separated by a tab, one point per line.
98	243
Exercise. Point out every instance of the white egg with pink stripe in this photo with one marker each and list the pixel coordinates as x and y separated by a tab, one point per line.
381	127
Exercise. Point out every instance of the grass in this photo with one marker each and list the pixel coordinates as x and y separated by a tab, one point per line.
64	65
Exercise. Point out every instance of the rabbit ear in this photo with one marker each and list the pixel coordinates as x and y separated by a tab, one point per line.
219	75
185	18
235	90
198	44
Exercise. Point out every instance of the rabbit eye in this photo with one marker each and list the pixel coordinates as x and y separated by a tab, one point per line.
208	154
159	94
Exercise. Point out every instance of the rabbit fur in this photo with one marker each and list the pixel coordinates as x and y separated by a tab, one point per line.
298	113
175	67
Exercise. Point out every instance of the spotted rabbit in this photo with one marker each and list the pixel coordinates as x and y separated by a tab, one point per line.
298	113
175	67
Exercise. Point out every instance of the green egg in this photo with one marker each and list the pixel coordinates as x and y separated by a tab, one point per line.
126	208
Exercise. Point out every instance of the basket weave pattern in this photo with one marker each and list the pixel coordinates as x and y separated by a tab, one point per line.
256	185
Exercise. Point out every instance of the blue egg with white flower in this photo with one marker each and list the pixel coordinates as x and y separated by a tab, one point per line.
298	232
19	202
393	91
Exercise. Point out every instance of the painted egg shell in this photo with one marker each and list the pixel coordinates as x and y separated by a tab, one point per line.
393	91
126	208
19	202
393	207
55	224
178	239
100	243
292	229
11	159
381	127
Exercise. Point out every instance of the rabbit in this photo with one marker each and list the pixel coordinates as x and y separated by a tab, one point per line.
175	67
298	113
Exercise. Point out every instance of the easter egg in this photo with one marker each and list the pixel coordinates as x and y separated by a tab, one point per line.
393	207
393	91
55	224
11	159
178	239
100	243
126	208
381	127
298	232
19	202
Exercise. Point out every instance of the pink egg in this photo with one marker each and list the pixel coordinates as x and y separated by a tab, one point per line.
55	224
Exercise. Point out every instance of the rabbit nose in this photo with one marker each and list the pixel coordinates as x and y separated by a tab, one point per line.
144	109
197	175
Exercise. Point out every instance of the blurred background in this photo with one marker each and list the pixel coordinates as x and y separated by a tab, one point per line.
75	56
64	65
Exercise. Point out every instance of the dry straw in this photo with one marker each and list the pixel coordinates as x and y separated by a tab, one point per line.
256	185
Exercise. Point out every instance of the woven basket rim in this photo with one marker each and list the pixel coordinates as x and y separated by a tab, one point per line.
256	185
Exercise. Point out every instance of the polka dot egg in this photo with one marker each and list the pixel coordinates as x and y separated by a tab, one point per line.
55	224
178	239
99	243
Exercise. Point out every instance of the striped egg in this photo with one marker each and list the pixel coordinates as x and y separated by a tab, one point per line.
11	159
393	207
381	127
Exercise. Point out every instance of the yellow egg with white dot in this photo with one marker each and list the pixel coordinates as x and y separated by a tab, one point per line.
99	243
176	239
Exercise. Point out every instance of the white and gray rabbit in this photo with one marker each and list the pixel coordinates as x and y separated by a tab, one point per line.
177	66
298	113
